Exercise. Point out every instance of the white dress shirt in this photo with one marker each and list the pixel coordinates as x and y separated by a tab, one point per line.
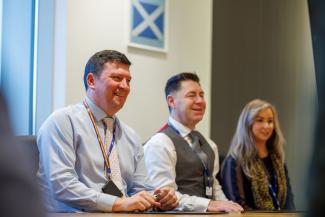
161	158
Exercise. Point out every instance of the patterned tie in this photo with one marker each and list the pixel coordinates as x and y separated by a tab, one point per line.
113	157
196	147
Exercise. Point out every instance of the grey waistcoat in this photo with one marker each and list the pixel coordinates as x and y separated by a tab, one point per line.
189	168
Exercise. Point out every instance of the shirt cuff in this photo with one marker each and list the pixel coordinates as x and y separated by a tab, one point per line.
192	203
105	202
201	204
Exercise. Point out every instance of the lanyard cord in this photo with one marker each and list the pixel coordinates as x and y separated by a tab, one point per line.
101	144
272	179
273	190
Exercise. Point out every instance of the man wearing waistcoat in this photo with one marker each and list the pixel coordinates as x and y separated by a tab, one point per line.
180	157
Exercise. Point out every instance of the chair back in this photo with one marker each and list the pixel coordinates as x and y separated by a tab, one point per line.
29	147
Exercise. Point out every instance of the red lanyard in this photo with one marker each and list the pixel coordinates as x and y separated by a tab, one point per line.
101	144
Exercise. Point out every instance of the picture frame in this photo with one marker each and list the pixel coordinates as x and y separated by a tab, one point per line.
148	25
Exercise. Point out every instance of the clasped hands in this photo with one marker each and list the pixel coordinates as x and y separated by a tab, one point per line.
143	200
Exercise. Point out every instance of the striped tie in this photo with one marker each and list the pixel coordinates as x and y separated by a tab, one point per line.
113	157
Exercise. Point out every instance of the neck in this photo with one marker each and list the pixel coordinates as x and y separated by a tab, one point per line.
262	149
189	126
99	104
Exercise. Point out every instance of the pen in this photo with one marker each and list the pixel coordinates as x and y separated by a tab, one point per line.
157	197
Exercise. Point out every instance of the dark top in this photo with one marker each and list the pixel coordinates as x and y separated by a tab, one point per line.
315	196
234	181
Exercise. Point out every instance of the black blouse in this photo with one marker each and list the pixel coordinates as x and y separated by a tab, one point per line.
239	189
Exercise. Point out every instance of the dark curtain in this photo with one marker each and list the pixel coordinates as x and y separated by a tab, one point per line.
316	196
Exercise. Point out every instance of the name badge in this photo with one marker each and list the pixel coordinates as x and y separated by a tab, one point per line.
112	189
208	191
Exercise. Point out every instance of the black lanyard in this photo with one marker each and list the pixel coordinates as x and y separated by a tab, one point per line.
101	144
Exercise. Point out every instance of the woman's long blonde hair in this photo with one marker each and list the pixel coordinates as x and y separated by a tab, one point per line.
243	148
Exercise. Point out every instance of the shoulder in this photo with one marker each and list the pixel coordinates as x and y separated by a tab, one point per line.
63	118
159	141
229	163
230	168
60	128
59	115
230	159
159	138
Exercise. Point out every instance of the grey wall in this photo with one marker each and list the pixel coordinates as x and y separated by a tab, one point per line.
262	49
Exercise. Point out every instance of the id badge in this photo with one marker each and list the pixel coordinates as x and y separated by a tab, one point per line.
112	189
208	191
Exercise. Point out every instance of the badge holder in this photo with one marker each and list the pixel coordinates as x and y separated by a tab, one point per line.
112	189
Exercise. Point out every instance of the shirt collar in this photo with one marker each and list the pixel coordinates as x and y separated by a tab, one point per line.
183	130
98	113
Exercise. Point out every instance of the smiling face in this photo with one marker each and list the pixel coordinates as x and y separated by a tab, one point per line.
263	125
187	104
110	89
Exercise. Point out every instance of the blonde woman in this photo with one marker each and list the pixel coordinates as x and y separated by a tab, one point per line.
254	173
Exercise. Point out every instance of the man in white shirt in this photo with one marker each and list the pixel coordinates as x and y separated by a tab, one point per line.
180	157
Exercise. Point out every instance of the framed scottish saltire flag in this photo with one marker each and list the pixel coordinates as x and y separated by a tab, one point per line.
148	24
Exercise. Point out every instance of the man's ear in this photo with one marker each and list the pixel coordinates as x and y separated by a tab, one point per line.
91	80
171	101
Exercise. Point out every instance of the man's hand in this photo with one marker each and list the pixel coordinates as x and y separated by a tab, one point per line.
167	198
140	201
227	206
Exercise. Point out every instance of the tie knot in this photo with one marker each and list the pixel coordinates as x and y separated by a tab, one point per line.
194	136
195	140
108	122
194	133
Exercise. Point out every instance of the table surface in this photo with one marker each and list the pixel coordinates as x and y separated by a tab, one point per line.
246	214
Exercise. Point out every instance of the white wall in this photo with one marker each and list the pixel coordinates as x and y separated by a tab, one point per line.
94	25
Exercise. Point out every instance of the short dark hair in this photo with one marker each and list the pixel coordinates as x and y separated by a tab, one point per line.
96	63
174	83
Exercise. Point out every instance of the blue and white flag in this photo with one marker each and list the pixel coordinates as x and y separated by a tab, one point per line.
147	23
